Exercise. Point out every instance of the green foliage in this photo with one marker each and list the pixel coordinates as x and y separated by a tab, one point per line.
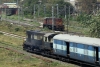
95	26
39	8
92	22
1	33
87	6
17	29
84	19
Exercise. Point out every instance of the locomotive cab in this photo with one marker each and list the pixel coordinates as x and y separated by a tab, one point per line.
34	40
48	41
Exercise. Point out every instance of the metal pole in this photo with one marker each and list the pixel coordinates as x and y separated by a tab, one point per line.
44	10
65	11
1	11
6	11
68	20
52	17
34	11
38	10
22	12
69	12
18	10
57	11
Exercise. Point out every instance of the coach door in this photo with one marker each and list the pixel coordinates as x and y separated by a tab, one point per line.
96	53
99	54
67	44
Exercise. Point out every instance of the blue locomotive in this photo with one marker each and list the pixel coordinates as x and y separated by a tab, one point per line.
38	41
78	48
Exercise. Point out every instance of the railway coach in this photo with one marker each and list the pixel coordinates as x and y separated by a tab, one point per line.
82	49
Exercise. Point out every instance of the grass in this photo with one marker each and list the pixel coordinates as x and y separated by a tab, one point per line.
77	27
11	40
15	29
21	19
12	59
20	30
74	26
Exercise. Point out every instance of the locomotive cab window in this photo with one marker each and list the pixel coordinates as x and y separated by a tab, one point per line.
50	39
38	37
28	37
35	37
45	39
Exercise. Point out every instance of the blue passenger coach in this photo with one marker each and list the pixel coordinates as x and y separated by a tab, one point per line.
85	49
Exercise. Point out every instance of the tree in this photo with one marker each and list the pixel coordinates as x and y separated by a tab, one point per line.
62	8
95	26
87	6
92	22
29	5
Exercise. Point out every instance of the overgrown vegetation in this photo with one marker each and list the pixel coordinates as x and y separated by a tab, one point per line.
91	22
42	11
16	29
16	42
87	6
12	59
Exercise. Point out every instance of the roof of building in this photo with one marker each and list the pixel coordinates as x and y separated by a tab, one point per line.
11	5
78	39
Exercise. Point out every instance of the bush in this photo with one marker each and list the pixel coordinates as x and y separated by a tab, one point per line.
17	29
1	33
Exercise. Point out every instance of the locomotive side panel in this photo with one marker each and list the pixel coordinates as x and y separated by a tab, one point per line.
34	40
47	43
37	44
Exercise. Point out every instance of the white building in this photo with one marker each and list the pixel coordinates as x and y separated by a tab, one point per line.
73	2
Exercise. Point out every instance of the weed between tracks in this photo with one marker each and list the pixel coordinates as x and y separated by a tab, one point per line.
11	40
12	59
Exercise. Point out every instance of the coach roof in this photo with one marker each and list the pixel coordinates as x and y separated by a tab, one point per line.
78	39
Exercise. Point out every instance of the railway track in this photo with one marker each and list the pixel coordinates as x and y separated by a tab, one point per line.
39	56
20	51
